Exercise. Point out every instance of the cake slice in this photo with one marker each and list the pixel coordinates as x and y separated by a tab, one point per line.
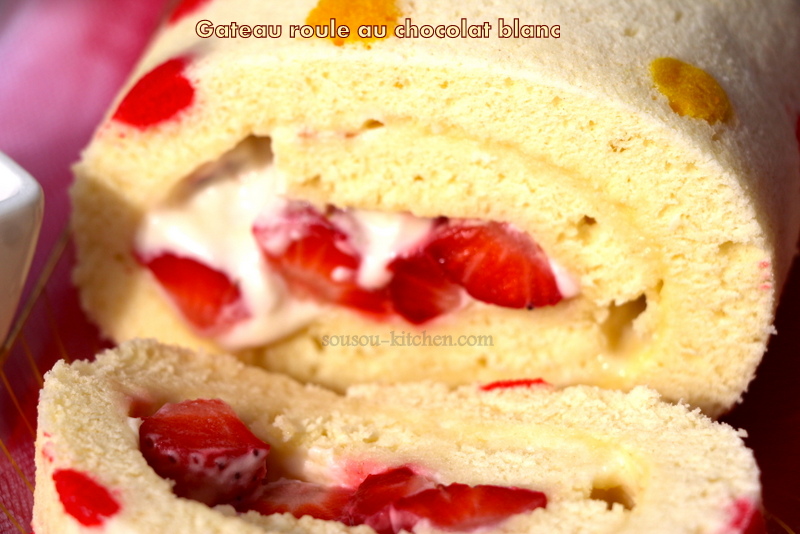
512	456
594	193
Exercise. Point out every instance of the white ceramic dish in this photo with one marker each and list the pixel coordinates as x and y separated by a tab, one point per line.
21	209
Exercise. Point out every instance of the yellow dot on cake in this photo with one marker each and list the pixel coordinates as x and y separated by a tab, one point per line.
355	13
692	92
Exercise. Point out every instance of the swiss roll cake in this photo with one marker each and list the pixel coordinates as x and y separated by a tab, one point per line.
152	438
591	193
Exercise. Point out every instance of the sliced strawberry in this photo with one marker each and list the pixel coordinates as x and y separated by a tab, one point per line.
419	289
302	498
495	263
492	261
206	449
207	298
315	258
459	507
372	500
373	301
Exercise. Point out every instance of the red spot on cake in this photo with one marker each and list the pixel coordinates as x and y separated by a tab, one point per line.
521	382
206	297
206	449
83	498
47	451
747	518
495	263
184	8
158	96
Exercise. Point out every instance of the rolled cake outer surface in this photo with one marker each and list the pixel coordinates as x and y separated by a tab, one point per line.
679	232
671	469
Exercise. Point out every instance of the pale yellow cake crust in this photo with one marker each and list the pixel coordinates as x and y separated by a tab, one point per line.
679	232
608	461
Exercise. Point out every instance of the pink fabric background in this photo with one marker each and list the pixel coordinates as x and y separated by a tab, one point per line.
61	63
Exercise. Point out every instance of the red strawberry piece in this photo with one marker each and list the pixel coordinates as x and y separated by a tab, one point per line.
458	507
207	298
517	383
495	263
302	498
372	500
419	289
158	96
83	498
184	8
206	449
315	258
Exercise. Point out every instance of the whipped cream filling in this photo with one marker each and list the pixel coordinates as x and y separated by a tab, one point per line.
211	222
319	465
380	236
210	219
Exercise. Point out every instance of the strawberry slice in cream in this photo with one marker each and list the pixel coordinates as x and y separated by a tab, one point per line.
266	266
138	438
213	457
